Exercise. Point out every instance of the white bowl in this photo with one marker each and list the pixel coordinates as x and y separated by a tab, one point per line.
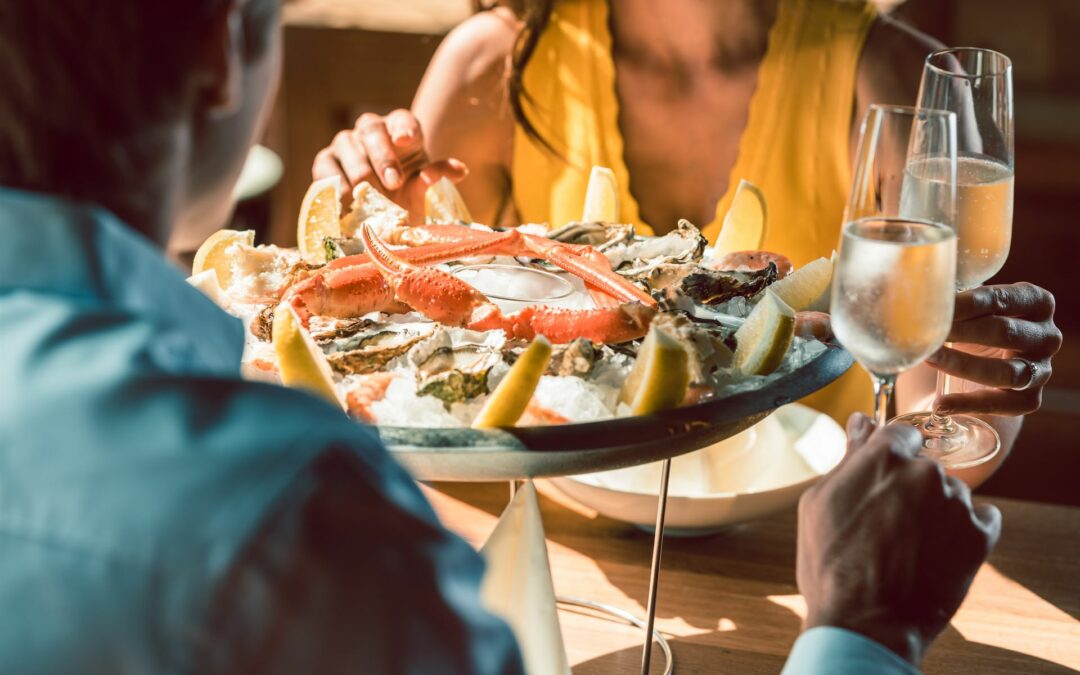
754	474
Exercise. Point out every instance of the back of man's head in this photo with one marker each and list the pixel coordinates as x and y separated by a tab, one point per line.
91	88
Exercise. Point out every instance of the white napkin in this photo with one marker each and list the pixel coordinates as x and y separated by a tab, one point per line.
517	585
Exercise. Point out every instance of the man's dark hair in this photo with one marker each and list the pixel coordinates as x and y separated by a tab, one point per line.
87	87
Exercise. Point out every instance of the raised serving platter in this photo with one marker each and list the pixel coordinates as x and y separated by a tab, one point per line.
462	454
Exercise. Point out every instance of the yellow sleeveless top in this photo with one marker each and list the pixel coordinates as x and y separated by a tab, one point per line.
796	145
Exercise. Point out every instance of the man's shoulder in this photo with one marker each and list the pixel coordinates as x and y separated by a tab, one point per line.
146	463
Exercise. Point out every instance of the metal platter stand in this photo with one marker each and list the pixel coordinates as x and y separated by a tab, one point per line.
520	453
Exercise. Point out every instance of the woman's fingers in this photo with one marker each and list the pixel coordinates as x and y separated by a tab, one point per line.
453	169
1013	300
351	157
1008	373
1009	402
405	131
815	325
1018	335
372	133
326	165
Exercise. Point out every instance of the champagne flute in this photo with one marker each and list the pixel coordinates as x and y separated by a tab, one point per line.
892	293
976	84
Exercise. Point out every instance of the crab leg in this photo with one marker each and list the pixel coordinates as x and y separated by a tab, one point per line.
445	298
353	286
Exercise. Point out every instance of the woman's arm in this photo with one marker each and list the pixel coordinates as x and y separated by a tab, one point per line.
461	105
459	112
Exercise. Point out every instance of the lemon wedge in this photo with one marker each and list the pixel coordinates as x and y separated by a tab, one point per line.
207	282
745	224
300	361
507	403
217	254
807	287
444	204
320	215
765	336
660	375
601	197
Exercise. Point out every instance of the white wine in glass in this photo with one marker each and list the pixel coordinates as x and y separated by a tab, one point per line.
984	205
976	84
893	288
892	303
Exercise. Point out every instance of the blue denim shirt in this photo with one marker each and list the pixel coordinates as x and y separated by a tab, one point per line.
160	515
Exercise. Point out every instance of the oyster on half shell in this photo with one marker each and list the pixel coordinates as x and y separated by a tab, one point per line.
637	260
370	352
453	365
600	236
706	344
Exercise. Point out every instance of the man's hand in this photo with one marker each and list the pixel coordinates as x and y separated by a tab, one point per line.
1005	339
387	152
888	544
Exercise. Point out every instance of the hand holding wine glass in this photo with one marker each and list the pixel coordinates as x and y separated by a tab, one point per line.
1004	338
1007	332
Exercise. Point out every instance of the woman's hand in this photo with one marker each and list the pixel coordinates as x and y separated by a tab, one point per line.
1004	338
387	152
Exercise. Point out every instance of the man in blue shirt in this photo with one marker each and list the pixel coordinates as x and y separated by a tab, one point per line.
160	515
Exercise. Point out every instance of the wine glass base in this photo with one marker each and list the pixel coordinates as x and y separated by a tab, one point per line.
965	442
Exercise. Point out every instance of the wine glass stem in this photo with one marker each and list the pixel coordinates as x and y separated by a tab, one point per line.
883	393
941	424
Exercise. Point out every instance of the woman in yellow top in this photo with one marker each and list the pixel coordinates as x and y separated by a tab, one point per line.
682	99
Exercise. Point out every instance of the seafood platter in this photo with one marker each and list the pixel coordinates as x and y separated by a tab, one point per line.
497	354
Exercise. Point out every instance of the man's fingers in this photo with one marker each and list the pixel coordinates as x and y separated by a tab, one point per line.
859	428
405	131
988	518
991	372
991	402
878	450
371	130
1015	300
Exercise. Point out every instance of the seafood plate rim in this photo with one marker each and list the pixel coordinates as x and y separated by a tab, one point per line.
676	425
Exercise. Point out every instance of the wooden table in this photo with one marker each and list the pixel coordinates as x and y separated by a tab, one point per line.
728	603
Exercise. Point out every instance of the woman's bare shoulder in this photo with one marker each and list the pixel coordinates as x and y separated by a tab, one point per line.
892	61
471	59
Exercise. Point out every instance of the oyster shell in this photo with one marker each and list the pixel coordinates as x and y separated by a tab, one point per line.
637	260
371	352
455	370
262	325
705	342
341	247
711	287
601	236
332	330
577	358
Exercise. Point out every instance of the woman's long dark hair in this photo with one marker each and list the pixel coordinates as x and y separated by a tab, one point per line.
534	16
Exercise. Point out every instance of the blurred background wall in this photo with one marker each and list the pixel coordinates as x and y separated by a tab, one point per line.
344	57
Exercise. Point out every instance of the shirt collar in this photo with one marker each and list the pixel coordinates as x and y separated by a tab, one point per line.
54	246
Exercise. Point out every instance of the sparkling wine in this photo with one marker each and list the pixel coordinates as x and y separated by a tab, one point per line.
892	296
984	205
